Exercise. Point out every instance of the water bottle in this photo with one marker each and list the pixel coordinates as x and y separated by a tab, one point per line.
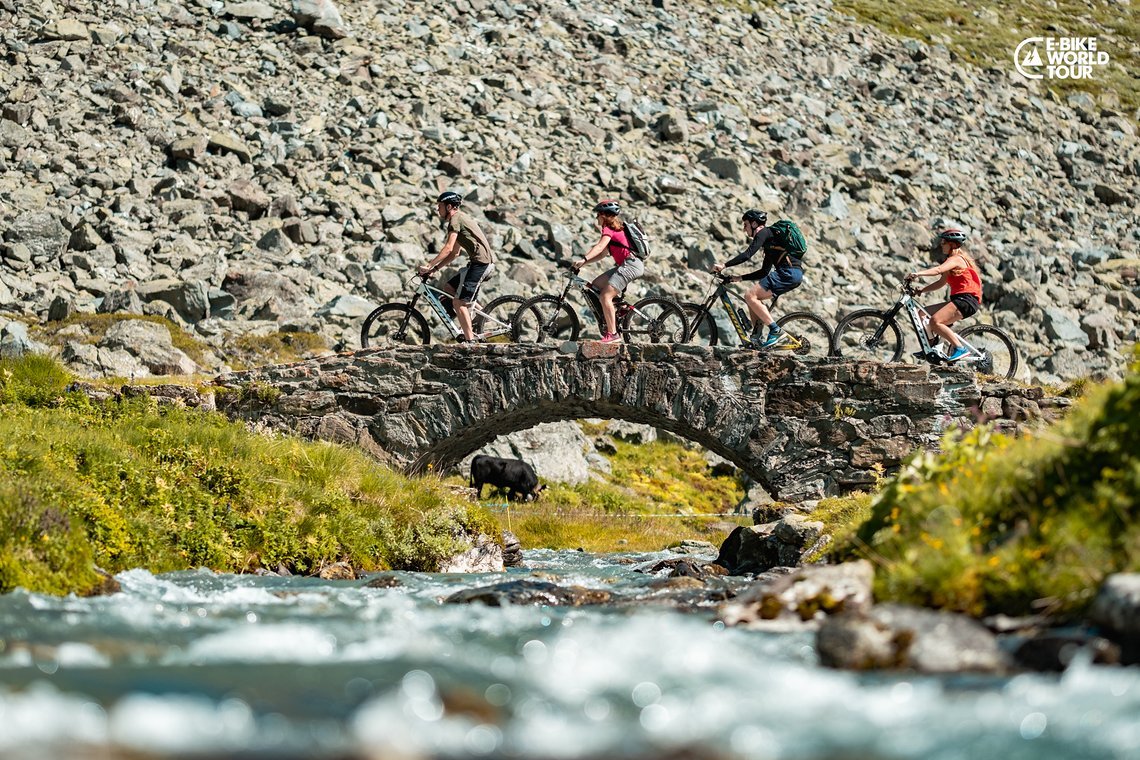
744	320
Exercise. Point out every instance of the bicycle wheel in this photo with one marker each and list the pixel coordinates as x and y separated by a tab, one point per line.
394	324
655	320
864	334
810	334
543	319
702	326
999	354
493	321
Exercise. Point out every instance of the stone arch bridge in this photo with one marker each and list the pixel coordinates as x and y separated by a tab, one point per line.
801	428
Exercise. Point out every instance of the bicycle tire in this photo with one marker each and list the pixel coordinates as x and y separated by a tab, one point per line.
501	309
851	334
394	324
1002	338
543	319
702	327
812	333
656	319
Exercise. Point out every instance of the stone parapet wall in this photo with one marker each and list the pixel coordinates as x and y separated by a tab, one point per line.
802	428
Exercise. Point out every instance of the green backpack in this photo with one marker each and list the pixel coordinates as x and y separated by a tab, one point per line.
786	236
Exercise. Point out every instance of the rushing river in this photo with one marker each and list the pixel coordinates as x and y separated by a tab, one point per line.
197	664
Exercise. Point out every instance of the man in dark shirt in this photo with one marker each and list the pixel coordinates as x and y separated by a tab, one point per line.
780	273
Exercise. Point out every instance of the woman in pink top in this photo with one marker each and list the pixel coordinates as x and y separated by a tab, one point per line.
628	267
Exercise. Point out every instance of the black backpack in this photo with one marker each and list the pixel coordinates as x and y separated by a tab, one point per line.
638	240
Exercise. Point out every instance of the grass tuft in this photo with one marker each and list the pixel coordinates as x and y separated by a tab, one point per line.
133	484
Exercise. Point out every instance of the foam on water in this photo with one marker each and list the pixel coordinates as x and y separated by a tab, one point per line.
196	662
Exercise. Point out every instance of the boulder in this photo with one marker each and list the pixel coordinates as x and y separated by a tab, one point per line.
151	344
528	592
808	594
484	556
897	637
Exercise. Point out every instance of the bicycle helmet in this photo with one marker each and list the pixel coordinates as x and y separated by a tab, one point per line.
953	236
450	198
607	207
752	215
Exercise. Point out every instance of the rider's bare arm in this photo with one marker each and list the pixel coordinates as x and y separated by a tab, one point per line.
951	263
445	256
595	253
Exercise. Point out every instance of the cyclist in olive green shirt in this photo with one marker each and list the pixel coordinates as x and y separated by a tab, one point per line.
463	236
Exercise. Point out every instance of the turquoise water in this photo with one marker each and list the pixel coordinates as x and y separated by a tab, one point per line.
196	664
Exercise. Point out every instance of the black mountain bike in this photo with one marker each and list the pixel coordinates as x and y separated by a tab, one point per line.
403	324
550	319
809	334
871	334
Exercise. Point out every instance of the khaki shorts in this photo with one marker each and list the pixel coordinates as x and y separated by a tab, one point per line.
621	276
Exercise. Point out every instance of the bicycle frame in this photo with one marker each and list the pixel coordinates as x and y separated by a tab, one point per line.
432	295
593	299
915	311
726	296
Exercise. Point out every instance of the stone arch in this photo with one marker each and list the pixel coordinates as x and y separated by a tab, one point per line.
800	428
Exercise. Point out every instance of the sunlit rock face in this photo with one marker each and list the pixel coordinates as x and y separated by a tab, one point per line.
802	428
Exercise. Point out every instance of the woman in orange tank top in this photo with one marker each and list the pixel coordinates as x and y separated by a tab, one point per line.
959	271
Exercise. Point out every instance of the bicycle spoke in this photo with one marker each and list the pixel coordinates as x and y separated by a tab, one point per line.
494	321
394	325
998	355
864	335
544	320
655	320
809	334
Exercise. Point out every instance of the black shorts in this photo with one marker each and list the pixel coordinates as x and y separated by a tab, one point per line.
967	304
466	284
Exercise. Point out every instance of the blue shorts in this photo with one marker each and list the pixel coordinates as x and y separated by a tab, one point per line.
781	279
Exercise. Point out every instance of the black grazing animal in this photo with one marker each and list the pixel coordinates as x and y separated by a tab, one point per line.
515	475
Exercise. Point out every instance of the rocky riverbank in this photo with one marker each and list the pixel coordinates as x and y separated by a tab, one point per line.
248	169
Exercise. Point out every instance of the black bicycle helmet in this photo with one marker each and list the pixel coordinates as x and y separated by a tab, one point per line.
954	236
607	207
752	215
450	198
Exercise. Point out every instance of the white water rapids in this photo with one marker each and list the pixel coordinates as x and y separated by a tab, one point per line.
201	665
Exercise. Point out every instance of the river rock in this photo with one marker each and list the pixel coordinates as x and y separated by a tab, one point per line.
808	594
484	556
757	548
1117	610
528	592
512	550
897	637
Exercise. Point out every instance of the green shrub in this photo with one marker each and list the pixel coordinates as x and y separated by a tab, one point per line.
994	524
133	484
34	380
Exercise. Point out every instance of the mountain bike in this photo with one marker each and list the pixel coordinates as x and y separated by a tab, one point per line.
403	324
809	334
550	319
871	334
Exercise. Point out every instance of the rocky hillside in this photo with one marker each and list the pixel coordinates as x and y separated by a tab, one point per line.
250	167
